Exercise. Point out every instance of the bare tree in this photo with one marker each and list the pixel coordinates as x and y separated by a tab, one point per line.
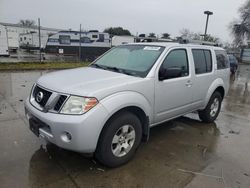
241	28
186	33
27	23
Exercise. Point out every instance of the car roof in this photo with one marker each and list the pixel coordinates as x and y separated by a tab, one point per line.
176	44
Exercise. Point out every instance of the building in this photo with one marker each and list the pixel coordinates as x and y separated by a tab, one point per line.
14	31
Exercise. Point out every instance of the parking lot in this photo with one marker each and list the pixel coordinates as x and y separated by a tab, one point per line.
180	153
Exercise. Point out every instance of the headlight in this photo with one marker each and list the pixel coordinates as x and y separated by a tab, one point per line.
78	105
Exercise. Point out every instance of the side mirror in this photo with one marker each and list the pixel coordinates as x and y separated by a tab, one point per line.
162	74
173	72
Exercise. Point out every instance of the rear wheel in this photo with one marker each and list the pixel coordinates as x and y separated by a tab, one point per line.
119	140
234	69
212	110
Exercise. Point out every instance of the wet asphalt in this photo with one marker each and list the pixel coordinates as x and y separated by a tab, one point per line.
180	153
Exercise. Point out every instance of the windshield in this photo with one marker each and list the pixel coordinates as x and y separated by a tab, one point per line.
135	60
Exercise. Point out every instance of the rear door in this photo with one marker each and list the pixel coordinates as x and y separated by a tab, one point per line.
203	74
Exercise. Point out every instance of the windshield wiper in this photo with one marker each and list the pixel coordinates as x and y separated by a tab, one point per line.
120	70
115	69
98	66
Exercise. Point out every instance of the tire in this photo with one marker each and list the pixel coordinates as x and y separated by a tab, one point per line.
119	140
234	70
209	114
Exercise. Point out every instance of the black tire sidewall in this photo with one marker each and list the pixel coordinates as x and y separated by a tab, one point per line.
205	114
104	153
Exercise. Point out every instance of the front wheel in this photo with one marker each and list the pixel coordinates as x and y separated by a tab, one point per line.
119	140
212	110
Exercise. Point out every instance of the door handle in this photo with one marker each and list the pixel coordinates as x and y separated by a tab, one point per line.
189	83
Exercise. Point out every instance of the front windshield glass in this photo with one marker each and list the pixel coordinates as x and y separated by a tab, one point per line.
135	60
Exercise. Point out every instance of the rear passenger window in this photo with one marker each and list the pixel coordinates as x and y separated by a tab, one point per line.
222	59
202	61
208	57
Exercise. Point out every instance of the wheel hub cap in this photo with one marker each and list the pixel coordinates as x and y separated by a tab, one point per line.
123	141
214	107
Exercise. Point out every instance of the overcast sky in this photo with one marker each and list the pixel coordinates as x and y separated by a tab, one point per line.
142	16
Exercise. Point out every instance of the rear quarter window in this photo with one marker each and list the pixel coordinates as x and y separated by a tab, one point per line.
202	61
222	59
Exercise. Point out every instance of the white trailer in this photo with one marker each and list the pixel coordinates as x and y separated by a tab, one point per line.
14	30
3	41
31	40
119	40
91	43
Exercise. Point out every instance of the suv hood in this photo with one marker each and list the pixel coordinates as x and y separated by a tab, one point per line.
86	81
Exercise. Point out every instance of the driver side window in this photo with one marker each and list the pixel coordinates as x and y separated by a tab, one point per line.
177	59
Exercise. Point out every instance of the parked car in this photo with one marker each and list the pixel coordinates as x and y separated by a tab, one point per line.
108	108
233	63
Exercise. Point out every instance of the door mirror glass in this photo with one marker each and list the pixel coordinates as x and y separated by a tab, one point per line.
175	65
173	72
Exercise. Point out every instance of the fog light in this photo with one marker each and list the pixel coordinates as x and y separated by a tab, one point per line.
66	137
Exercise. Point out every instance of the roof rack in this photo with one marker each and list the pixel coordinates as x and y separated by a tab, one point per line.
178	40
200	42
151	39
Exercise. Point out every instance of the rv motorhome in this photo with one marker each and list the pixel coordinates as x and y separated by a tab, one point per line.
93	44
30	41
119	40
3	41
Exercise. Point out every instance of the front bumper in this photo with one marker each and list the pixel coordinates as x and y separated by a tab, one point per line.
84	129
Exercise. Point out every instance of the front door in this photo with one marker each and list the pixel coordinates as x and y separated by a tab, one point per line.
173	96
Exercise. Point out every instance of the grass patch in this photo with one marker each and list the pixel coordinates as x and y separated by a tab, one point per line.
41	66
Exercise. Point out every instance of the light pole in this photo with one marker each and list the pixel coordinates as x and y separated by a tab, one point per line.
39	35
80	50
208	13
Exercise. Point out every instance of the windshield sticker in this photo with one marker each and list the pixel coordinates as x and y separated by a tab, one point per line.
152	48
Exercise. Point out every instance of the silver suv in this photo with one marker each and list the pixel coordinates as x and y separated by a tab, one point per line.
108	108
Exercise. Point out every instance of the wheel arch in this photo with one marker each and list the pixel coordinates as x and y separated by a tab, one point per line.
133	102
217	85
221	90
139	112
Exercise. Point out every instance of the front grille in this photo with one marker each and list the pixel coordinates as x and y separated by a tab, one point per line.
44	95
60	102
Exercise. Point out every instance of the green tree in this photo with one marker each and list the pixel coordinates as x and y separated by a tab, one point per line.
152	35
165	36
241	28
117	31
27	23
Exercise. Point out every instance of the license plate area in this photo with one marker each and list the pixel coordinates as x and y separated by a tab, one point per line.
34	126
